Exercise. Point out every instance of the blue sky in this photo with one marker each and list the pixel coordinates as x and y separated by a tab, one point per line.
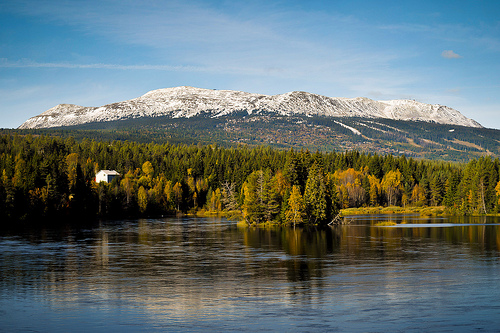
92	53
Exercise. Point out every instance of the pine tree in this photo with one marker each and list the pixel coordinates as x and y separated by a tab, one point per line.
451	190
294	170
272	196
254	198
318	204
437	190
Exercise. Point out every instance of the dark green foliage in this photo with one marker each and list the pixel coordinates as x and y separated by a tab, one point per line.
317	199
47	177
385	136
437	185
451	198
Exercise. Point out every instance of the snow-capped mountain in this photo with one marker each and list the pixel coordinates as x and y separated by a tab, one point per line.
186	102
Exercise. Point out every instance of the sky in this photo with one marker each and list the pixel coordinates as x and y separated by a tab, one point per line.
93	53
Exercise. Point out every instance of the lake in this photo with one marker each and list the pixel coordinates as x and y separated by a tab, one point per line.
209	274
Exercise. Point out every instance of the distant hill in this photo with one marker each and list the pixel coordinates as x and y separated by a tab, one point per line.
416	139
293	120
189	102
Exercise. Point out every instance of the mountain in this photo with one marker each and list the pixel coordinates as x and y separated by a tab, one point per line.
417	139
186	115
189	102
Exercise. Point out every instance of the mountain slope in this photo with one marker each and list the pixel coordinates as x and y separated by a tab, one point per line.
187	102
385	136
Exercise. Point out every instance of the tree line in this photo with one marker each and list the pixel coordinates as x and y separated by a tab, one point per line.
44	177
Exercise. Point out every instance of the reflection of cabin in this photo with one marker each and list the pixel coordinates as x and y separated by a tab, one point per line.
106	176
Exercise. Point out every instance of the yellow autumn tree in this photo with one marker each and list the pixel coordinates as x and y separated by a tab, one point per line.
128	185
295	212
215	200
177	191
497	189
142	199
168	191
375	190
148	169
352	193
391	183
418	197
147	177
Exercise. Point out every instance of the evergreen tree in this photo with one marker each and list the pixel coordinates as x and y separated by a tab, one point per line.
451	187
294	170
50	177
437	189
261	199
253	203
318	204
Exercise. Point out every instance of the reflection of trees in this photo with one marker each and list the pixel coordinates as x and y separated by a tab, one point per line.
193	261
309	242
354	243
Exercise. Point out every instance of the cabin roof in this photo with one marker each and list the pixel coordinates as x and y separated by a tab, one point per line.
109	172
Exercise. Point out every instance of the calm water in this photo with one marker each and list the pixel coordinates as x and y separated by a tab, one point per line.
194	274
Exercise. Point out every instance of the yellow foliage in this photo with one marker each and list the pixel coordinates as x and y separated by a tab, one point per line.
148	169
295	212
142	199
391	183
497	189
351	193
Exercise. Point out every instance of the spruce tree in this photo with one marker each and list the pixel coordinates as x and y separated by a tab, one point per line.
318	204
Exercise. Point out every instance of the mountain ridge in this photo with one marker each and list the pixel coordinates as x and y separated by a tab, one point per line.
186	102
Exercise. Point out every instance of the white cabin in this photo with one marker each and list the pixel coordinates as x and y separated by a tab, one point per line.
106	176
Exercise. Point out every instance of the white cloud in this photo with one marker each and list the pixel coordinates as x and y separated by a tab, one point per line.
5	63
450	54
453	91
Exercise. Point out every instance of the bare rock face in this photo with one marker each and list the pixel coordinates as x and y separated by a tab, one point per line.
188	102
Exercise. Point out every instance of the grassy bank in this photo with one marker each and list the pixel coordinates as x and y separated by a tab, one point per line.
422	211
232	215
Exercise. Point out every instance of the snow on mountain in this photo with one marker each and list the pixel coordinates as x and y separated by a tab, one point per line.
187	102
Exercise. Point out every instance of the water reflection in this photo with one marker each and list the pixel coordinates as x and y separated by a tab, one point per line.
362	237
211	274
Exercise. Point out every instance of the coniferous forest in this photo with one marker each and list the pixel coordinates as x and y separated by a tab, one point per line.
50	178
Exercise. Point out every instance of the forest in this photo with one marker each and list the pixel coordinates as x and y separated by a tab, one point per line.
47	178
420	140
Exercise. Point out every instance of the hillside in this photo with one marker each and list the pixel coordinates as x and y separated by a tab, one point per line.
189	102
293	120
383	136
